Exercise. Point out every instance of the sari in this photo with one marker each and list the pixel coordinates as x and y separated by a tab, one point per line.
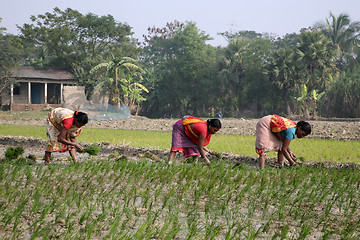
279	124
185	139
54	124
268	133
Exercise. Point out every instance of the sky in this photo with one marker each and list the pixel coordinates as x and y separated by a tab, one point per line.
277	17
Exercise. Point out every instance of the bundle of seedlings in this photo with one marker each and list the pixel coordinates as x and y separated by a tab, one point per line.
92	150
13	153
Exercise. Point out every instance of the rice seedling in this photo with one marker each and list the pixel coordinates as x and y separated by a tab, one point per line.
135	200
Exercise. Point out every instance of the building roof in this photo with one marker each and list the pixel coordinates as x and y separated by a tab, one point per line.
43	73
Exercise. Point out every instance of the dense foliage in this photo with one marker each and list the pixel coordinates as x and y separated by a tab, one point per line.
310	73
10	57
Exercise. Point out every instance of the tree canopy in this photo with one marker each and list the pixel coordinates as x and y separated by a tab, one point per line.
255	74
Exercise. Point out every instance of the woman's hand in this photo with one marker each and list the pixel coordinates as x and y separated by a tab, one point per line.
207	162
293	155
79	147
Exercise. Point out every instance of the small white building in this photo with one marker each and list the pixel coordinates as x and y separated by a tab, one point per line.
37	88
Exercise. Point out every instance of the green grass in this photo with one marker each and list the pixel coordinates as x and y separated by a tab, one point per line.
308	149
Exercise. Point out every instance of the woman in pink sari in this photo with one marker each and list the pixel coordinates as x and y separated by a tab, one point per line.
274	133
190	135
62	127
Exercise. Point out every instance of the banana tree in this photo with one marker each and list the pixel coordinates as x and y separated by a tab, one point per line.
309	101
316	98
303	99
115	78
132	92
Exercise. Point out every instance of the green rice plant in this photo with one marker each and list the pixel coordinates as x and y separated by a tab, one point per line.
284	231
45	211
175	226
229	229
86	214
252	231
305	230
145	196
166	198
114	227
192	224
60	212
266	202
46	230
144	231
90	227
327	234
160	234
7	219
36	231
158	192
212	230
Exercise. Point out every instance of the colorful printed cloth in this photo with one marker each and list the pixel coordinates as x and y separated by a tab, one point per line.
199	128
268	133
185	138
182	143
54	124
279	124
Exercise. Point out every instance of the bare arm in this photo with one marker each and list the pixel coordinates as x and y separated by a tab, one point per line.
202	148
72	142
287	152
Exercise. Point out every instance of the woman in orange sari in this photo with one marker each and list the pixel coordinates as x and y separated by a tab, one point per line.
62	127
274	133
190	135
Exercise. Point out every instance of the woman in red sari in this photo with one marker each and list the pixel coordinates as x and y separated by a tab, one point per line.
190	135
62	127
274	133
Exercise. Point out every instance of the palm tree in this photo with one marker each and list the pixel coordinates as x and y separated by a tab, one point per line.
344	36
316	58
284	69
232	69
